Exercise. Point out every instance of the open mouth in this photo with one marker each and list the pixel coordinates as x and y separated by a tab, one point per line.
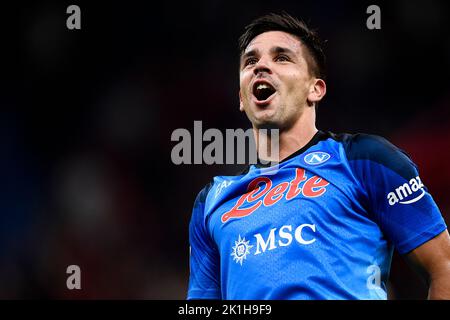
263	90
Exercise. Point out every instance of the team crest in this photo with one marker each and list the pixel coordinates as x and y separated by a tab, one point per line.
316	158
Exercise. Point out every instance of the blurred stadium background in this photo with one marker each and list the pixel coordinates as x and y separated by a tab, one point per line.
87	118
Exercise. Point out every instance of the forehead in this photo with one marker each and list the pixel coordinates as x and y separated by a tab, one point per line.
270	39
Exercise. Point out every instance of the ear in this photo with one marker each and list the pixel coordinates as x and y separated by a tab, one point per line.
241	104
317	91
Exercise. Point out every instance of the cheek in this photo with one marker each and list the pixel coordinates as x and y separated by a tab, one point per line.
244	84
296	84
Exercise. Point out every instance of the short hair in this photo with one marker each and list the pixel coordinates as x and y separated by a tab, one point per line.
285	22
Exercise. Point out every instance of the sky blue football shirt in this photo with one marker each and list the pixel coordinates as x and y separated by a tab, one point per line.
323	225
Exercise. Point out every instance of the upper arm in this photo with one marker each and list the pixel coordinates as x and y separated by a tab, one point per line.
396	198
204	257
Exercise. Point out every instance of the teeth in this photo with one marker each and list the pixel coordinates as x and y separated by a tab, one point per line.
262	86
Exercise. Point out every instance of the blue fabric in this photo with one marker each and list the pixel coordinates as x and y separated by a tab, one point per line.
321	225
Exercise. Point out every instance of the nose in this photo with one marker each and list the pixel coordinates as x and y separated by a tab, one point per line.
261	66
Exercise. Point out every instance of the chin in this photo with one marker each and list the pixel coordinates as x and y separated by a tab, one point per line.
267	124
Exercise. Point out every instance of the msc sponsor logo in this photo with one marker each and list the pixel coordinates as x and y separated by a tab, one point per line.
260	192
282	237
405	191
316	158
240	250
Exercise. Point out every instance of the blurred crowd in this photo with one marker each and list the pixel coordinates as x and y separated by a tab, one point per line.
86	128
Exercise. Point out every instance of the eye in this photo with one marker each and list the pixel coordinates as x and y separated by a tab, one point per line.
282	58
250	61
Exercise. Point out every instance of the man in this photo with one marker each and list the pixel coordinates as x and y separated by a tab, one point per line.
324	224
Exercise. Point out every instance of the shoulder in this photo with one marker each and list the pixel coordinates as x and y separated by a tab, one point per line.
203	194
375	149
217	183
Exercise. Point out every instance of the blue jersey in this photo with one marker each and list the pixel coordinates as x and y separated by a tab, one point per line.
322	224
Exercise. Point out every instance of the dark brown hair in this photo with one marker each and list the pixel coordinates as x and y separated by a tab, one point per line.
285	22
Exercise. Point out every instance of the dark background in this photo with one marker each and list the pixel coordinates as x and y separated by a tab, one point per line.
87	117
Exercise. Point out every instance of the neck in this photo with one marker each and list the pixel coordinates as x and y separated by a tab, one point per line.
290	140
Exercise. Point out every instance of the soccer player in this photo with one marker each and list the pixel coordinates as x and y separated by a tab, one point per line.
325	224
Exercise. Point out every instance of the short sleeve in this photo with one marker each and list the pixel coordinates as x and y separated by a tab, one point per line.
204	278
395	195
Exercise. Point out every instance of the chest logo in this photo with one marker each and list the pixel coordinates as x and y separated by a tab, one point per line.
261	191
240	250
316	158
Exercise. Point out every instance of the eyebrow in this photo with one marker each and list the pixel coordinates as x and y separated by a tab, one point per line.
247	54
282	50
273	50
